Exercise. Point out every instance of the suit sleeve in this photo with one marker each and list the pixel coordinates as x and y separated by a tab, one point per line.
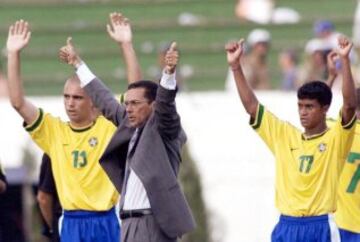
101	96
169	124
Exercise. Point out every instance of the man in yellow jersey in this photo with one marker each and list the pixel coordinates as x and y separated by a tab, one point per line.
86	194
309	163
347	215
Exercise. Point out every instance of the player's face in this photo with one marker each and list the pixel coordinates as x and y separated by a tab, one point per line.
311	113
138	107
78	105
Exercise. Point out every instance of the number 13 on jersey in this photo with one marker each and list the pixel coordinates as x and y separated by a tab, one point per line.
79	159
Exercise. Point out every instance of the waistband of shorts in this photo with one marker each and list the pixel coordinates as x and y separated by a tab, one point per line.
303	220
87	213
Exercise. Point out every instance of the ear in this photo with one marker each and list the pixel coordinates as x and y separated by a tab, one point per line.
152	105
325	108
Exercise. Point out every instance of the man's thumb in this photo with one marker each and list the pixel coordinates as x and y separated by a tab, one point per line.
173	46
69	41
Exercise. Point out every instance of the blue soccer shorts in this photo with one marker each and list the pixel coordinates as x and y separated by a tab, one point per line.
89	226
348	236
306	229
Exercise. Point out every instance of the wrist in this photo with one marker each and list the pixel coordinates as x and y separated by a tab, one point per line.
77	63
235	67
125	44
345	58
13	52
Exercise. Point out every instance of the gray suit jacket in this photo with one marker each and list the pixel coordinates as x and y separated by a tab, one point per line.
155	158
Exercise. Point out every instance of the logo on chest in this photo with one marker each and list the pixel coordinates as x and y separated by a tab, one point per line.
322	147
93	141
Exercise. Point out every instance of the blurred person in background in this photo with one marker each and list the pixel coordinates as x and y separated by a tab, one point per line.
254	63
288	62
324	30
314	66
257	11
265	12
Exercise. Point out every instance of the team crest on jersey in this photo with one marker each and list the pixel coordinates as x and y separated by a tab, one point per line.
322	147
93	141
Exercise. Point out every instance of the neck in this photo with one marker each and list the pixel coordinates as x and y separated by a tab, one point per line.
322	127
81	125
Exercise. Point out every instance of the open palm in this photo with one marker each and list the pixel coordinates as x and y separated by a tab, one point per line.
19	36
119	28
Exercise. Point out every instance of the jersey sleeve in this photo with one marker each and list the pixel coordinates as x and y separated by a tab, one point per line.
42	130
345	134
268	127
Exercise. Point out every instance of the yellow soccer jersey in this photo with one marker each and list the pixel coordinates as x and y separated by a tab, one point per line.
307	168
347	215
80	181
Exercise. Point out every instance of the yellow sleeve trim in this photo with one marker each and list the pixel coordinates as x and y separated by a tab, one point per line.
37	121
255	123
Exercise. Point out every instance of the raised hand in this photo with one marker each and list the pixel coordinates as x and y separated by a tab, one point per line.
171	59
234	51
68	54
345	46
18	37
119	28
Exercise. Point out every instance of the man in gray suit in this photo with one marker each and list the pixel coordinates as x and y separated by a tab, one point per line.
143	157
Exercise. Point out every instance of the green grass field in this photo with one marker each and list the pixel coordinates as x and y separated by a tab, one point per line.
153	22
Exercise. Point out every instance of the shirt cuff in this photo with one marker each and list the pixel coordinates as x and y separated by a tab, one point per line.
84	74
168	81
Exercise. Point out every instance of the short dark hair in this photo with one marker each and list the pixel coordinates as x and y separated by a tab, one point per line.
149	86
317	90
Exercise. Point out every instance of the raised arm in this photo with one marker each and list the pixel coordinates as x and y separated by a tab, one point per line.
18	38
234	51
165	108
348	86
119	30
100	95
